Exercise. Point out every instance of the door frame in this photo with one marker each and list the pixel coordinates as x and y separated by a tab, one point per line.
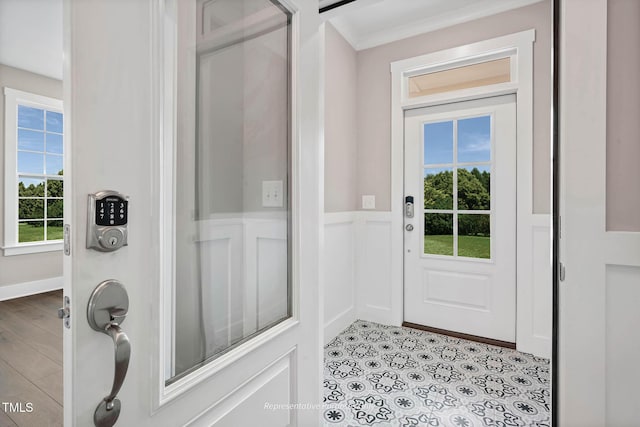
518	46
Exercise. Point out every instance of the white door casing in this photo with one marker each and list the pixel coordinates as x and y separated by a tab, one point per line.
120	113
533	272
466	295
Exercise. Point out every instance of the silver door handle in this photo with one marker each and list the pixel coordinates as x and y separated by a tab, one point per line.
108	307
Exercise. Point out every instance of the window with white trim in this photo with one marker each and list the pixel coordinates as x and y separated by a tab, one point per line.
34	173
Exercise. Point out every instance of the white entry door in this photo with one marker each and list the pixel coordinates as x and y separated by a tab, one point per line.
460	239
204	115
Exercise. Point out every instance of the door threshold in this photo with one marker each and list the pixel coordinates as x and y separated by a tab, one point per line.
490	341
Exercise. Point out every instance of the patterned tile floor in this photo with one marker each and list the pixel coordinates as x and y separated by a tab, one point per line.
377	375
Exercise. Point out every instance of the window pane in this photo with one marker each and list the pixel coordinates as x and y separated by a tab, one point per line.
54	164
31	118
30	187
54	122
474	188
468	76
54	208
30	208
438	188
54	230
474	139
30	140
30	162
31	231
55	188
54	143
438	234
474	236
438	143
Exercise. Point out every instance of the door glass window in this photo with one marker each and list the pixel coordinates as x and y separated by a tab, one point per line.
457	187
232	207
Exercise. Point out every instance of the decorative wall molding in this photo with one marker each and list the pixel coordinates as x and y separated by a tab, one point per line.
24	289
364	269
339	272
534	296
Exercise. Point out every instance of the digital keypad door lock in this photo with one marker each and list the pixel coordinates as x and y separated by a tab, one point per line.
408	206
107	217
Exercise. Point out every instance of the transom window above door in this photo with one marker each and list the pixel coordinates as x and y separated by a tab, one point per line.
457	187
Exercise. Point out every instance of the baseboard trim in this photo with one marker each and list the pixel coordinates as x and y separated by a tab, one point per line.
24	289
338	324
475	338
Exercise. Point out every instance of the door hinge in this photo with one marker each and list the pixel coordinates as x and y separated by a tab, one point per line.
67	239
562	272
65	312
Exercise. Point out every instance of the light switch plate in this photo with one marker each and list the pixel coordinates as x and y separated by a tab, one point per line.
368	202
272	194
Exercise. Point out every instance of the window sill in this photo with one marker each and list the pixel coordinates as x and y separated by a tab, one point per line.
32	248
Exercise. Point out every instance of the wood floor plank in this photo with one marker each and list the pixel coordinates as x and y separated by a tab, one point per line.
47	321
15	388
31	364
40	340
48	304
52	385
5	421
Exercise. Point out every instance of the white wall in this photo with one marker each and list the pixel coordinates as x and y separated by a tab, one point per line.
374	96
340	272
340	128
358	243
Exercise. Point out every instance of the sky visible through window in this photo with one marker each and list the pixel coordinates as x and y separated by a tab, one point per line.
474	142
39	141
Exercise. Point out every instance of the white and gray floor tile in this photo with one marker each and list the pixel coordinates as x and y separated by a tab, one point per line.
377	375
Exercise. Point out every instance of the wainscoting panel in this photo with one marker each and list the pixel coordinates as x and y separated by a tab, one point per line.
359	278
622	344
244	269
373	267
221	269
339	272
534	289
357	256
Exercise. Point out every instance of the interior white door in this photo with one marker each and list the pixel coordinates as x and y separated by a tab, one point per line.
598	348
130	115
460	242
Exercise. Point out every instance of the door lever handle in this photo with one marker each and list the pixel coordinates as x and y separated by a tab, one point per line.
122	356
107	309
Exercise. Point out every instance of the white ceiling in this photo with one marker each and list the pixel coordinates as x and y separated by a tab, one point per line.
31	36
31	30
369	23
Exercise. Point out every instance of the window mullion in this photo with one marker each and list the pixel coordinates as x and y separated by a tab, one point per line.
455	188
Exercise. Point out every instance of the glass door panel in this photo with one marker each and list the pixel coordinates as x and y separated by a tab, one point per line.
232	231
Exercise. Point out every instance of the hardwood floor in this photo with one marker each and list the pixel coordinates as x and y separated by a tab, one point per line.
31	361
